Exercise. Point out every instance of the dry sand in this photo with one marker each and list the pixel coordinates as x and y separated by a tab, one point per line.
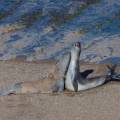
101	103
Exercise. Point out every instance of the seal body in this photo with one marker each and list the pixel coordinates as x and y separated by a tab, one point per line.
72	75
76	82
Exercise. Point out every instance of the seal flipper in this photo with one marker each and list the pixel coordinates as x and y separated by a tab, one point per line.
85	73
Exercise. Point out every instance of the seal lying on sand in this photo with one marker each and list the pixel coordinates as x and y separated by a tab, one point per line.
76	82
72	78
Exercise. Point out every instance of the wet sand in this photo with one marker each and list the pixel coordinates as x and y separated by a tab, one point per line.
98	104
101	103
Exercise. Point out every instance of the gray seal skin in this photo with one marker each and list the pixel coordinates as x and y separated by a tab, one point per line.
75	81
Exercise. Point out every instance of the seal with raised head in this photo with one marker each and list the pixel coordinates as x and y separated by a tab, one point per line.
76	82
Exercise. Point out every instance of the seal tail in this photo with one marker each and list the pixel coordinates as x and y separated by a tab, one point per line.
112	75
11	90
59	86
115	77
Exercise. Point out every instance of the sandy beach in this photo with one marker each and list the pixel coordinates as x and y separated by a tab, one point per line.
34	30
101	103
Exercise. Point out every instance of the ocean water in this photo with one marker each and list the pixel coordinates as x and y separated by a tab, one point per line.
46	29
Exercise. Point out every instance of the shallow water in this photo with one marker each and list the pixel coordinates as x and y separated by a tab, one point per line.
113	60
45	29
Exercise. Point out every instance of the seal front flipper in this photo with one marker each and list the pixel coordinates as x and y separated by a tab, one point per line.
85	73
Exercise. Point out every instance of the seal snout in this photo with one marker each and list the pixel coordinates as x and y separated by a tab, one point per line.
78	44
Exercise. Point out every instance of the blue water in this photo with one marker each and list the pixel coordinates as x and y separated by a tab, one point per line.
92	18
113	60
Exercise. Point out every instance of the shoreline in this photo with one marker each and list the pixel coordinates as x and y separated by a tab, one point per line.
88	105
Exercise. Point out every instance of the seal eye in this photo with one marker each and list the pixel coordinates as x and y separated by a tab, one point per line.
77	44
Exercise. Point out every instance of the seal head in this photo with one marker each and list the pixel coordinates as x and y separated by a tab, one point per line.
75	51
